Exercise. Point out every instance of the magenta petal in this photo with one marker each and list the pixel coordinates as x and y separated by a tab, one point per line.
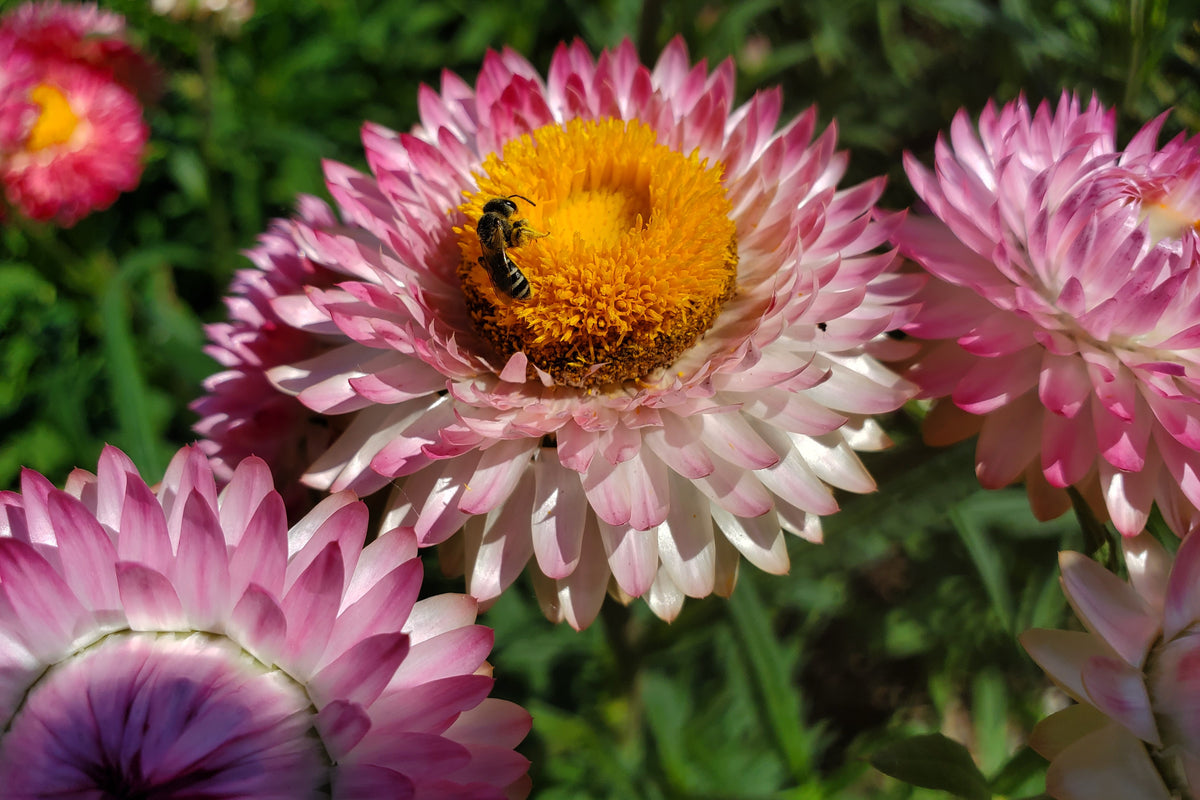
250	485
371	782
260	556
1174	681
992	383
1128	496
441	613
150	601
420	756
87	554
34	591
1109	607
340	519
342	724
1064	385
1182	606
114	472
258	624
360	674
1119	691
1068	453
151	545
311	605
455	652
1123	444
380	609
432	706
201	575
647	479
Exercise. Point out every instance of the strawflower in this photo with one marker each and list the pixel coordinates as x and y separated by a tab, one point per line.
1065	306
73	139
690	373
242	413
1135	674
181	643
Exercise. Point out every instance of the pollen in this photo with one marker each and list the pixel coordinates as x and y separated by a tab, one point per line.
56	122
638	259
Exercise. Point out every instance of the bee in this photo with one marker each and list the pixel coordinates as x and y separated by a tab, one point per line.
496	232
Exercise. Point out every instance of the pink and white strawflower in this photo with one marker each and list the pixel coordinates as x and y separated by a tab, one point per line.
690	373
1063	314
72	139
1135	674
177	642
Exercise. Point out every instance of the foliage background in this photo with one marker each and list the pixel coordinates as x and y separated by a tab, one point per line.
904	622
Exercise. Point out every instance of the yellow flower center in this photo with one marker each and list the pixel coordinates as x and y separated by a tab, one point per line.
57	121
638	257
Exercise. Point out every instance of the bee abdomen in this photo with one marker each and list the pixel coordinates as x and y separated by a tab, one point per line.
506	276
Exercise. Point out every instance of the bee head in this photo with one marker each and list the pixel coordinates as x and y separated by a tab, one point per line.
504	206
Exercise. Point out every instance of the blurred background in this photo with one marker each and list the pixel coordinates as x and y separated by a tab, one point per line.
903	623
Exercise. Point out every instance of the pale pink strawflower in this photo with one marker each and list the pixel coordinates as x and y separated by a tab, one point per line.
694	367
176	642
73	139
1064	314
1134	672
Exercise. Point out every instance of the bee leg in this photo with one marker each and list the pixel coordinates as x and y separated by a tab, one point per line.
522	233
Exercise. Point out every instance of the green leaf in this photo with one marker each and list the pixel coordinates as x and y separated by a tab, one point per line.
988	561
1024	772
989	712
933	762
768	664
137	434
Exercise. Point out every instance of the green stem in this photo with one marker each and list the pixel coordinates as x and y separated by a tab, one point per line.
1095	532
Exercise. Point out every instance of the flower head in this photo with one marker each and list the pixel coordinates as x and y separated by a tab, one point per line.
1135	673
72	136
171	641
661	361
243	414
1065	307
